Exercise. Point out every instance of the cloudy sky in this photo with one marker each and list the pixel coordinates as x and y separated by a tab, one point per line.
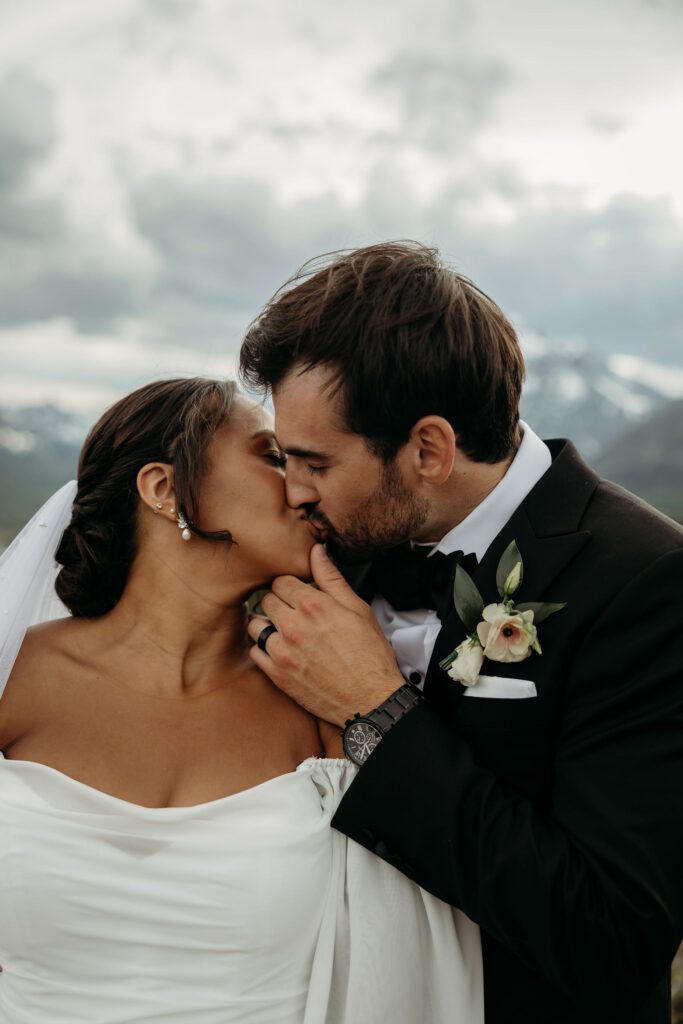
166	164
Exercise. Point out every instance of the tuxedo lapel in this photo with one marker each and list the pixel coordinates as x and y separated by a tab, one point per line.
546	530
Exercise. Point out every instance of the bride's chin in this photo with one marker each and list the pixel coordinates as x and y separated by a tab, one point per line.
299	566
301	569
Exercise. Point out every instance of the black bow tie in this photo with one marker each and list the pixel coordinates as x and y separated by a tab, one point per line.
408	579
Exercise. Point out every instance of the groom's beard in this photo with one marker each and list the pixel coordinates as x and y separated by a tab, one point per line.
389	516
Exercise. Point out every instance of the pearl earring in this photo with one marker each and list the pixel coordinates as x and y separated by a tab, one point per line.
182	525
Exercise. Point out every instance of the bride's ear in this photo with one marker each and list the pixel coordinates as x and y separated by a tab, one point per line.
155	487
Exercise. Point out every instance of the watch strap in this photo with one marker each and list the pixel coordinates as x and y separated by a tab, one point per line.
390	711
394	707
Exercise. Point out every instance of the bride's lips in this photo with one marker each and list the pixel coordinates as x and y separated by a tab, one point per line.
319	532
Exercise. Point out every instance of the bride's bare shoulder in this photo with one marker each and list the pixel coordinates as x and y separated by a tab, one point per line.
45	651
50	639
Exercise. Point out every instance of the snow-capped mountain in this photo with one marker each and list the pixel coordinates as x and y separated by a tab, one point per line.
648	459
25	429
570	392
38	453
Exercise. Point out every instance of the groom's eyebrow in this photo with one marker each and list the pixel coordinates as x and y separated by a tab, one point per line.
306	453
300	453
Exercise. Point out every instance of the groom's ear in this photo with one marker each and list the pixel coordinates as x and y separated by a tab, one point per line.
155	487
432	448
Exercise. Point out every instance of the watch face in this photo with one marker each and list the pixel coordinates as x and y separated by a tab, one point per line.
360	739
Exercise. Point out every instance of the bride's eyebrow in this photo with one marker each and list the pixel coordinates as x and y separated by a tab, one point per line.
270	434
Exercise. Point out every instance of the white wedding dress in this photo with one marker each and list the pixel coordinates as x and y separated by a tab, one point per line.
249	909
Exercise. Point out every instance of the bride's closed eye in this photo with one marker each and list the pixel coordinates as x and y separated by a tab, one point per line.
277	457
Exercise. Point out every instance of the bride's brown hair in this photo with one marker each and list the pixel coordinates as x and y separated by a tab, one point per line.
168	421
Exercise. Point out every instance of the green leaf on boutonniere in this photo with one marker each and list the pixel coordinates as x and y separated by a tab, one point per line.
469	603
254	602
508	577
541	609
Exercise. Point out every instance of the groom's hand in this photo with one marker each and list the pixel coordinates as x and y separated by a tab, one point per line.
328	654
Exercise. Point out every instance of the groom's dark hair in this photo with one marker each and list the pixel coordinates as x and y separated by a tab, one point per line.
404	336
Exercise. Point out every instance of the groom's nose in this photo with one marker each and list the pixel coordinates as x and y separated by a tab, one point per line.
299	491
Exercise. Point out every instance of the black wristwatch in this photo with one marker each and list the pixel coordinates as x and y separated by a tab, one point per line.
362	733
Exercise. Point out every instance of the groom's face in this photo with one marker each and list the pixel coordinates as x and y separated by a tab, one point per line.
360	504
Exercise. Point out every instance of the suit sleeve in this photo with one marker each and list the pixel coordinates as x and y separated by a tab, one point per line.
589	892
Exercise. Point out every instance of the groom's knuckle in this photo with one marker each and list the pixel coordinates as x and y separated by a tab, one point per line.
309	603
289	630
286	660
277	586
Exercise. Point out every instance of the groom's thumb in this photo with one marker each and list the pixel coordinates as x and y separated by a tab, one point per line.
328	578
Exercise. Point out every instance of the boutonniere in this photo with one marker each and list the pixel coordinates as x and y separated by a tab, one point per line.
500	632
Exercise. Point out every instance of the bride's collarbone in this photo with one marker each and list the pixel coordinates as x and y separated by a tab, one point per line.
153	768
115	733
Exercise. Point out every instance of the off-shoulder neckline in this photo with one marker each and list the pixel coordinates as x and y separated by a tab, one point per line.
177	810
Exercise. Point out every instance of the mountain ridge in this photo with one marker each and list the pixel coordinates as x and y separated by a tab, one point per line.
626	427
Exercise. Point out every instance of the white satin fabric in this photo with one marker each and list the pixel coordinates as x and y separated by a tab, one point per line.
247	909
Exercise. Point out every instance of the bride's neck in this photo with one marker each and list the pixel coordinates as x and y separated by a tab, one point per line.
187	633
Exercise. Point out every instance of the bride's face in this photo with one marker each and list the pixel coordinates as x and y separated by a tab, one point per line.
243	491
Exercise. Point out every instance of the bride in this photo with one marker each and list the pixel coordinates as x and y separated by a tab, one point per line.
165	844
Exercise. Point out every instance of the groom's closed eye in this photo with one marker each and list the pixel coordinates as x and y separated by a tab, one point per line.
307	455
311	459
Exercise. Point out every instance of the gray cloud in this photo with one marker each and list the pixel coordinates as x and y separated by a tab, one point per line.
159	24
29	225
47	270
607	124
169	10
224	245
226	248
27	126
609	276
48	274
443	100
606	275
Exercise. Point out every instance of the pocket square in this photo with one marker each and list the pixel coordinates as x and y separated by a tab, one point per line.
501	688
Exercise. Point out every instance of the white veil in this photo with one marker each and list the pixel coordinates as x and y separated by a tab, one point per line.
27	576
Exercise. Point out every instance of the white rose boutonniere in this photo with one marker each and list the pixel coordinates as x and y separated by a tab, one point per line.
500	632
466	665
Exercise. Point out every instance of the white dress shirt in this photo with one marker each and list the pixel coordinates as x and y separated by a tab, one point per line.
412	634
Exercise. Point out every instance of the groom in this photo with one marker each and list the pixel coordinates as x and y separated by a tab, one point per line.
535	781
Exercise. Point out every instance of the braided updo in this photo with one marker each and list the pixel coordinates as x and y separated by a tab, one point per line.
168	421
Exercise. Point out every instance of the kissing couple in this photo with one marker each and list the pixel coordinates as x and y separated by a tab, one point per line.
437	778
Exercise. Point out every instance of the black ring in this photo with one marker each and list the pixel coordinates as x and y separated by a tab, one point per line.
264	634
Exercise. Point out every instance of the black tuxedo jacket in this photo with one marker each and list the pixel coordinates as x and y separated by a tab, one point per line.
556	822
